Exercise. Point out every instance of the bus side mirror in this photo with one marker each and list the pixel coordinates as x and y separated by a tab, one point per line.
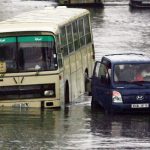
37	69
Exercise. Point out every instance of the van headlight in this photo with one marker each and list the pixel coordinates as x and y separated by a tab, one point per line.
116	97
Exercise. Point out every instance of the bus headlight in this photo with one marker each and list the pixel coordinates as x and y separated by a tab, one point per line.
49	93
116	97
48	90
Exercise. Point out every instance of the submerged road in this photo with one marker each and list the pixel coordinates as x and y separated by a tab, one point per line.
115	29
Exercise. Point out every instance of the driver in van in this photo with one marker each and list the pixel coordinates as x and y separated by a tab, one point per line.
139	76
146	73
126	73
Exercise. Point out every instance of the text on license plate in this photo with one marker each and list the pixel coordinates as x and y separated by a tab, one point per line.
139	105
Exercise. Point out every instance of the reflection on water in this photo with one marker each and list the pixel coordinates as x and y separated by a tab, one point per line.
119	29
74	127
128	131
10	8
115	29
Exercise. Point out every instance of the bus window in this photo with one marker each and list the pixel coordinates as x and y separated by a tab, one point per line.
70	38
63	38
81	32
87	29
59	53
76	35
8	53
60	62
58	44
37	52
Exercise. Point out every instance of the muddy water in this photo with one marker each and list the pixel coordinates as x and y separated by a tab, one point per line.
116	28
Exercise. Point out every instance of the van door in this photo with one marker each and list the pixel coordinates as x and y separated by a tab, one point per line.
101	85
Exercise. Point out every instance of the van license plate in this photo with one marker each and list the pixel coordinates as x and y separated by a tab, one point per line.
139	105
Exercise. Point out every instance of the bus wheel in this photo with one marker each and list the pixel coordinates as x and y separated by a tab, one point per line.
67	93
87	83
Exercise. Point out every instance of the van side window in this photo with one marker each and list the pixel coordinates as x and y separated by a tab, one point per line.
103	72
97	69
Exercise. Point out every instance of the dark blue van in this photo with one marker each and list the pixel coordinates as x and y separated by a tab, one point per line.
121	83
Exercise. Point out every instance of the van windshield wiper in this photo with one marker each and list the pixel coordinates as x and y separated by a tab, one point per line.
126	82
138	82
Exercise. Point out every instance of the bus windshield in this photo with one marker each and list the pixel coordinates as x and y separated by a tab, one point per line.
28	53
37	53
132	73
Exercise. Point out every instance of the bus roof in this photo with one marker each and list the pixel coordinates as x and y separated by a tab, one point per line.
48	19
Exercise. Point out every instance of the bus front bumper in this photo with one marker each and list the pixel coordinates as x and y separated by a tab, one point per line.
30	103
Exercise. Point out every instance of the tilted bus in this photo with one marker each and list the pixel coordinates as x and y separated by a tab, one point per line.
46	57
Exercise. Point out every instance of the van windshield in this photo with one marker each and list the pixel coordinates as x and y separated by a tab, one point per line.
132	73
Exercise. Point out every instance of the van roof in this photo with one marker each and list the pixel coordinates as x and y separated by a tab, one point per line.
128	58
48	19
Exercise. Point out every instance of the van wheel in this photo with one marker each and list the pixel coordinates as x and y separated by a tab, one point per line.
67	93
95	105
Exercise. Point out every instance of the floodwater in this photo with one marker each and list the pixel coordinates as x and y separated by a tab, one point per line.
116	28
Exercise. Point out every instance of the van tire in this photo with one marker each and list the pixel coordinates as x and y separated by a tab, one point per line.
95	105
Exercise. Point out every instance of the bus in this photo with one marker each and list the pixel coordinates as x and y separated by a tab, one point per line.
46	57
81	3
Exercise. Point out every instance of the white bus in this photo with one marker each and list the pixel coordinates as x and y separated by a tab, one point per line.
45	57
86	3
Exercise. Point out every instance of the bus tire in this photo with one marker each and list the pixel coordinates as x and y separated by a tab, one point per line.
67	93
